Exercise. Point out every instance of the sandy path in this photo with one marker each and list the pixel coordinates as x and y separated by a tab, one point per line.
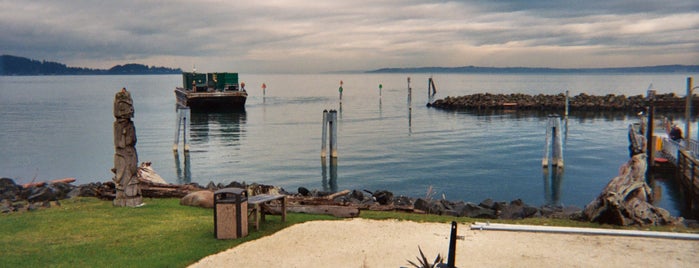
390	243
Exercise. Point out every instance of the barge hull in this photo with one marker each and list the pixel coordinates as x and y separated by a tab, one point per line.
211	101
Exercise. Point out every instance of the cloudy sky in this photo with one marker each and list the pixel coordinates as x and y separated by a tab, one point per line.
262	36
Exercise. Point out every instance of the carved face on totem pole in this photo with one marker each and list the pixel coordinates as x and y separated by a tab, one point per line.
123	105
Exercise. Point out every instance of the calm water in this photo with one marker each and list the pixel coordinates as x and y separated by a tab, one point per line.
61	126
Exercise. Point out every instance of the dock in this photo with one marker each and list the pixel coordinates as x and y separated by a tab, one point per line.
682	157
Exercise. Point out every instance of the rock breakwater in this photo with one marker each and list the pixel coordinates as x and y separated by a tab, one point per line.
581	102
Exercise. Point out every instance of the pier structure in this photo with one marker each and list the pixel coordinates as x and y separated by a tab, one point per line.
674	155
682	157
183	114
431	89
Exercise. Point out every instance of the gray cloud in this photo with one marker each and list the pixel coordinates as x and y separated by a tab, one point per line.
318	36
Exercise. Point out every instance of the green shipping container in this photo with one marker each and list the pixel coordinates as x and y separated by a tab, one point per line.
188	78
224	81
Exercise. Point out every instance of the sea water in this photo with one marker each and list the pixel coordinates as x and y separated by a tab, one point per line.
61	126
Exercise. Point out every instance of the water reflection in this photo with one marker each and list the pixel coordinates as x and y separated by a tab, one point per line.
330	185
552	185
186	176
225	127
674	194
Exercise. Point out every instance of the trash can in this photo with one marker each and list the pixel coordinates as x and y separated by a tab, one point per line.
230	213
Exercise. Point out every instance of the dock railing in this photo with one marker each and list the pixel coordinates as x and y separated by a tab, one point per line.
671	149
688	172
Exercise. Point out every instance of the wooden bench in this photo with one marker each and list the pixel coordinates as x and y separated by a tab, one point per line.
256	205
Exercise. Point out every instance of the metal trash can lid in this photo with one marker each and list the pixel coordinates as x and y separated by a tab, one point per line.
235	191
227	195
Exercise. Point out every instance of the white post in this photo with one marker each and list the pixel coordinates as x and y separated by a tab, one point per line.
547	144
333	133
557	143
324	140
567	105
177	130
185	121
182	121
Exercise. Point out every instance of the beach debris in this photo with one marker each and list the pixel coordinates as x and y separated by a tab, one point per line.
15	197
627	199
146	172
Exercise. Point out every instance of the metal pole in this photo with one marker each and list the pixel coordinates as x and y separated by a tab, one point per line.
687	109
451	259
650	145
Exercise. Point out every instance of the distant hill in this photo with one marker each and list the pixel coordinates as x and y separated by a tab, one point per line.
525	70
13	65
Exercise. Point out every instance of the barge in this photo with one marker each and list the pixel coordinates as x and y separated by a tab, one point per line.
211	92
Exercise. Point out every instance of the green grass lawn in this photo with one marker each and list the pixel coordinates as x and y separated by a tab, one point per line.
93	233
88	232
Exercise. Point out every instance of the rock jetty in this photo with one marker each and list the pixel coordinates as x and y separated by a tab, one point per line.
581	102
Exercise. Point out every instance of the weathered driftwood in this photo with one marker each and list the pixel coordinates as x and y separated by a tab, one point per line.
337	211
42	183
162	190
338	194
626	200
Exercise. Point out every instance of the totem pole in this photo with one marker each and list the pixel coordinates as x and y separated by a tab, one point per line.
128	192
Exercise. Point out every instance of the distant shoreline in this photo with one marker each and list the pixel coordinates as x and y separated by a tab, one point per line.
665	69
19	66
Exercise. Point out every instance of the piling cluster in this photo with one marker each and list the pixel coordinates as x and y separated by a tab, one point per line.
581	102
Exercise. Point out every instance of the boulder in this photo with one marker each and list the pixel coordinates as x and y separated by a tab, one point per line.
383	197
9	190
488	203
403	201
472	210
202	198
304	191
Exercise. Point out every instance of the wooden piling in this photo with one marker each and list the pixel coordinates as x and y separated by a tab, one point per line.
688	108
553	139
650	145
182	123
324	144
567	104
333	133
410	95
329	122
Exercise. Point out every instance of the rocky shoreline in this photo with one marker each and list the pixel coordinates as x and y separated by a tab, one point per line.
582	102
16	198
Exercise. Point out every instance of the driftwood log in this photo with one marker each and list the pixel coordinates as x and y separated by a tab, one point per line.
337	211
626	200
